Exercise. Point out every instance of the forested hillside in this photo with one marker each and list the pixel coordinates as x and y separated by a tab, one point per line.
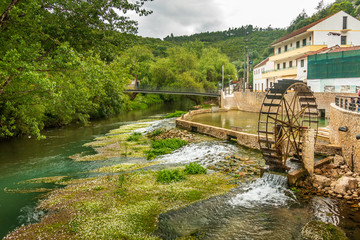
69	61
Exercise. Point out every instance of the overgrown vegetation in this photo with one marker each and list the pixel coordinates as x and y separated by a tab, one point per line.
168	176
194	168
118	207
175	114
135	136
164	146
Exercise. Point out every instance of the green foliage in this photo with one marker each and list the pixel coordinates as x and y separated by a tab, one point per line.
194	168
144	101
175	114
168	176
57	62
164	146
135	136
157	132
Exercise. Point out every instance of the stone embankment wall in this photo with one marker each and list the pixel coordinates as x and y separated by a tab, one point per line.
243	139
252	101
347	140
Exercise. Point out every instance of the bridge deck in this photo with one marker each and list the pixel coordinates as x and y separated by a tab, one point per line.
205	94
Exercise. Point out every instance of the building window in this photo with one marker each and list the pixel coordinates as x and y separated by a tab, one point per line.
297	44
290	44
290	64
262	87
302	63
304	42
285	48
343	40
278	66
279	50
271	84
345	22
310	38
284	65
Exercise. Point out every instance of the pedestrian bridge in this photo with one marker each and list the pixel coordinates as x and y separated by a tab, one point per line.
176	91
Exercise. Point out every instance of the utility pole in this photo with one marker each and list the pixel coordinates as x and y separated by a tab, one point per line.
248	72
245	63
222	86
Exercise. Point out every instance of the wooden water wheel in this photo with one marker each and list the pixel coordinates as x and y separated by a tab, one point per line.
287	109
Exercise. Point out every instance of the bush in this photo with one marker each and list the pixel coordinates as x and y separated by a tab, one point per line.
164	146
194	168
175	114
156	132
134	136
168	176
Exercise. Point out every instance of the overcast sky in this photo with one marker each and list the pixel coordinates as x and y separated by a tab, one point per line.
186	17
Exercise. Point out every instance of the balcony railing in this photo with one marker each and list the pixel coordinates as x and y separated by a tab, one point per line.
281	69
348	103
308	43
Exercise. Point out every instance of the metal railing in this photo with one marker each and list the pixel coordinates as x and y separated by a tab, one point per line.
348	103
174	90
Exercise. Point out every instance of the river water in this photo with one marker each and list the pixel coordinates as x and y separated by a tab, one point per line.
26	158
262	209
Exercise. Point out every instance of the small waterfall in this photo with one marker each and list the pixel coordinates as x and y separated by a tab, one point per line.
270	190
204	153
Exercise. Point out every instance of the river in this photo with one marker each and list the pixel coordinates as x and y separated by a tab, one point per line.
255	210
26	158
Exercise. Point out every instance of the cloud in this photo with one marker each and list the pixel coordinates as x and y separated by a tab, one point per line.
180	17
186	17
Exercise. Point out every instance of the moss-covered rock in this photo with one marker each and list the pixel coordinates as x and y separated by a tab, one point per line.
317	230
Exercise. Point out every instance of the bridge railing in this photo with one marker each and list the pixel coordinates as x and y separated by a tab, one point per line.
348	103
175	89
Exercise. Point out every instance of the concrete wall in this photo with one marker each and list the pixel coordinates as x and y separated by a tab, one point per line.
252	101
347	140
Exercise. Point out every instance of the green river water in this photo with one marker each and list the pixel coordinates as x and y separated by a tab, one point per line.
252	212
26	158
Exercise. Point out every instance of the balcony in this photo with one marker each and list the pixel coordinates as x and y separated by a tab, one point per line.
280	72
294	53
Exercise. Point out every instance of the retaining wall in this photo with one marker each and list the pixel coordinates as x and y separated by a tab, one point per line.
252	101
347	140
243	139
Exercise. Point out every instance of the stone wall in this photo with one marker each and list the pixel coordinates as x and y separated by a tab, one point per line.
243	139
252	101
347	140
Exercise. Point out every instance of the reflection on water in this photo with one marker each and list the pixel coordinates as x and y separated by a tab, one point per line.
248	121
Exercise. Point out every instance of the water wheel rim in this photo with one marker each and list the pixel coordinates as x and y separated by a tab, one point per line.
303	99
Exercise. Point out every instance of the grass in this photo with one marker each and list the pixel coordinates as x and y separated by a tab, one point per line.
135	136
111	207
175	114
168	176
164	146
194	168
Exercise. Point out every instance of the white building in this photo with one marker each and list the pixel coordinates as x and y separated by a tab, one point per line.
289	61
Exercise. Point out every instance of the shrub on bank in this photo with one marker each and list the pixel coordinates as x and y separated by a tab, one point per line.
164	146
168	176
194	168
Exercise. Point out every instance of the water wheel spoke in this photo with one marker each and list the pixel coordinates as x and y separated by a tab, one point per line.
285	125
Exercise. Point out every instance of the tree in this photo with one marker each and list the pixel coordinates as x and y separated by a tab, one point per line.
45	44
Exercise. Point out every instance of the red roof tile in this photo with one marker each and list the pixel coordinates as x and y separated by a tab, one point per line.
262	63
